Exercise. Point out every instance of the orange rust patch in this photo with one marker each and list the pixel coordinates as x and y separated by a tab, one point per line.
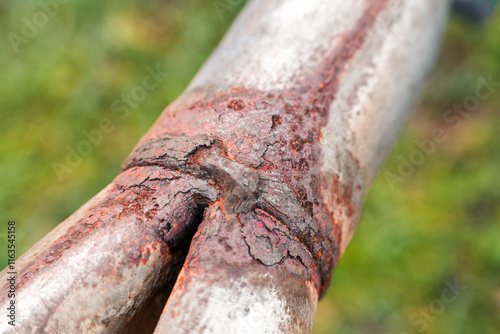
279	135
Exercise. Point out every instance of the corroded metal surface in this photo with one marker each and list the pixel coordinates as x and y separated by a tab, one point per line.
259	169
292	158
263	149
106	261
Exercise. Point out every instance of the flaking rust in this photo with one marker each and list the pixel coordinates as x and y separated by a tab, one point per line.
262	150
134	239
238	179
140	192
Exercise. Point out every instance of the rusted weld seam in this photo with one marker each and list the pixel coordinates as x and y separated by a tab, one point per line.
242	190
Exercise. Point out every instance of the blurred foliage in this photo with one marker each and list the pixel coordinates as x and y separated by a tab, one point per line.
437	225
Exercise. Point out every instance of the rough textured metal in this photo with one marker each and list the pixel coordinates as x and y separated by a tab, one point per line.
265	159
105	262
304	127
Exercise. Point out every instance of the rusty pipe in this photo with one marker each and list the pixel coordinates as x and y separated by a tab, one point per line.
265	159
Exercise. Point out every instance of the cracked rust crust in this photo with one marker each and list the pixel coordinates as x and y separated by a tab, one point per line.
260	169
107	261
224	272
263	150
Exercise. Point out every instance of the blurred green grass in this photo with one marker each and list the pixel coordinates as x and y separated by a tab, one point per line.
441	223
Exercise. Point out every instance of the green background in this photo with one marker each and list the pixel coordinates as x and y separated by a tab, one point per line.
437	225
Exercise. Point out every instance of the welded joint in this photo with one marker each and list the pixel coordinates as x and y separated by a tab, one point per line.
250	196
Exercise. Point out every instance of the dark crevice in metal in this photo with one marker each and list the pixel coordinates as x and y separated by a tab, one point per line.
146	319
